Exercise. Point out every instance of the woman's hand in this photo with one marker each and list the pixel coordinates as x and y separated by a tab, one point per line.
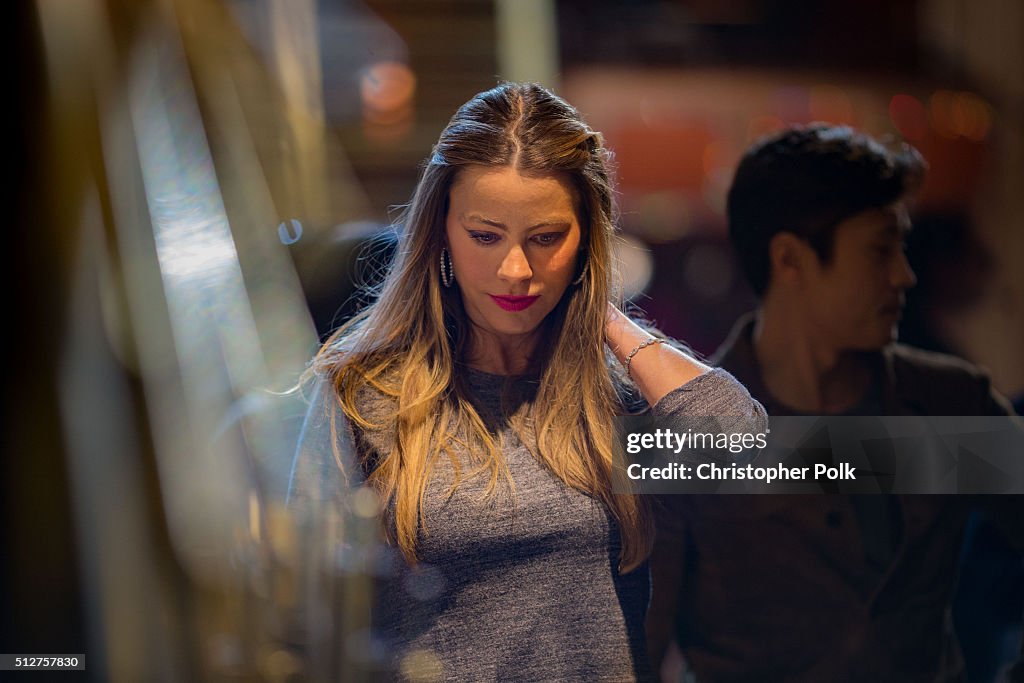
657	368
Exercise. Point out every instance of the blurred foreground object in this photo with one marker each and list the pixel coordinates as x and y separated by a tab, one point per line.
161	302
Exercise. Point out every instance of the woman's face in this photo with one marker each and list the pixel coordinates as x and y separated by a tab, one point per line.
514	241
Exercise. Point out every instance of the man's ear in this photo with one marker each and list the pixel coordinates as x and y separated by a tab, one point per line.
788	256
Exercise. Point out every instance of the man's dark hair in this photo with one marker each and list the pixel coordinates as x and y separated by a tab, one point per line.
806	181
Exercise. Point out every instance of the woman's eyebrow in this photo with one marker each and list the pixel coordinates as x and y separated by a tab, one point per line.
486	221
553	223
550	223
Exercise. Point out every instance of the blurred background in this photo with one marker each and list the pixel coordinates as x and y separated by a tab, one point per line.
195	184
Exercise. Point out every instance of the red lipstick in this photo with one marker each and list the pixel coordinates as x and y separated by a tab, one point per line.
514	303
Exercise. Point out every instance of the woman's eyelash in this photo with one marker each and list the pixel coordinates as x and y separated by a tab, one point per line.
483	237
544	239
547	238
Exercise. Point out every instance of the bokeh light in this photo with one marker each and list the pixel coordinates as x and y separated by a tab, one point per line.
387	90
908	115
960	115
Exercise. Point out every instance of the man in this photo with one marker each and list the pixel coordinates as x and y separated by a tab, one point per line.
821	588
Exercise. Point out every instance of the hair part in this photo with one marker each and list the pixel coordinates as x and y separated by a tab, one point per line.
407	345
807	180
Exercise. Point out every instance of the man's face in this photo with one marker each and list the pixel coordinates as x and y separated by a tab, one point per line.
855	300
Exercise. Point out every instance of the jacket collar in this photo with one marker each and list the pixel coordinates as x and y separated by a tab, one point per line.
737	356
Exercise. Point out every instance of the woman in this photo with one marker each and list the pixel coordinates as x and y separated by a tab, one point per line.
481	388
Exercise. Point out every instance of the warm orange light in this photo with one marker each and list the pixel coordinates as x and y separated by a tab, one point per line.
387	89
909	116
940	113
960	114
712	157
977	116
714	191
831	104
760	126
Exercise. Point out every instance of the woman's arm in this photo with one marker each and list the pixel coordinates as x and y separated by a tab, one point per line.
656	369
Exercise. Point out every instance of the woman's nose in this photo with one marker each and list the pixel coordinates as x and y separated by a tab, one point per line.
515	266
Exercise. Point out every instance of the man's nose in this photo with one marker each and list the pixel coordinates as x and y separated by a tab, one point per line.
903	275
515	266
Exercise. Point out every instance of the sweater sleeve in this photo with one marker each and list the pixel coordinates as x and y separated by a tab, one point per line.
714	394
324	459
332	539
714	402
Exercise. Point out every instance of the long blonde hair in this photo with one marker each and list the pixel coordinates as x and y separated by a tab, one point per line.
406	344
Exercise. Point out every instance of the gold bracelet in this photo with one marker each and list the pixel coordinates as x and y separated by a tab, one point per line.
642	345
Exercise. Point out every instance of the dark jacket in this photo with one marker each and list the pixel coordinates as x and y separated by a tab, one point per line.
913	382
781	588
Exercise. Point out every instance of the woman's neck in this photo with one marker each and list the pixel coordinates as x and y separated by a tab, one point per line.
502	354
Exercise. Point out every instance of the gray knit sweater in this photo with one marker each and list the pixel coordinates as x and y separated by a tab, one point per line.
523	586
